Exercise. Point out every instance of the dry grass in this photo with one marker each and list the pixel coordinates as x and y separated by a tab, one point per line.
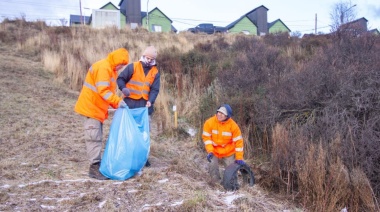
43	163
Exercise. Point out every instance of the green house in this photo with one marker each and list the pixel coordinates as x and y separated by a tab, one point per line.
157	21
243	25
154	20
278	26
255	22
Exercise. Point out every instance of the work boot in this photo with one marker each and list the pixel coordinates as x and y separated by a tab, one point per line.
147	164
95	173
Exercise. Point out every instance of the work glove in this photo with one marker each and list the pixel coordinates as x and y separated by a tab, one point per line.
126	92
240	162
210	156
122	104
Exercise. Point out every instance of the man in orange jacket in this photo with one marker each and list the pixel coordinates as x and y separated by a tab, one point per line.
223	141
97	94
140	82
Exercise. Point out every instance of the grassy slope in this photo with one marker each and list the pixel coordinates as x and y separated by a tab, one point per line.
43	161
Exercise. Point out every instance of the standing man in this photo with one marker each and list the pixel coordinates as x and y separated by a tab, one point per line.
98	93
140	82
223	141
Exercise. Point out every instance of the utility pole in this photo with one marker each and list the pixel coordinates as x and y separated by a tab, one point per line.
81	17
147	16
342	15
315	24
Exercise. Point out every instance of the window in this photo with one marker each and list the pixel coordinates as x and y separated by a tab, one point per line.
156	28
134	25
245	32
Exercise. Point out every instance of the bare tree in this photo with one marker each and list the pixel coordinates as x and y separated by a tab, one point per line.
63	21
342	12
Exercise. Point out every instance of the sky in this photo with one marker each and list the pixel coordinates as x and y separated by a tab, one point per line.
298	15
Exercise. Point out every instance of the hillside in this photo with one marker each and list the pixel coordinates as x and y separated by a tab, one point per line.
43	163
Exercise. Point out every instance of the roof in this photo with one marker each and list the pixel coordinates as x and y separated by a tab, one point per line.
256	9
77	18
231	25
143	14
274	22
108	4
120	2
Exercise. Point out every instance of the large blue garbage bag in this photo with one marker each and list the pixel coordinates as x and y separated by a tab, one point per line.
128	144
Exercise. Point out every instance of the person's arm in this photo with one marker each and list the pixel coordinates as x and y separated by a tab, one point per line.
103	86
239	144
206	137
154	89
124	76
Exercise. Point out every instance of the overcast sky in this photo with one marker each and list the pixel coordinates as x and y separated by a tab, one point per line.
298	15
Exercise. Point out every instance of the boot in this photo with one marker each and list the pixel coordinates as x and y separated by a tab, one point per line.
95	173
147	164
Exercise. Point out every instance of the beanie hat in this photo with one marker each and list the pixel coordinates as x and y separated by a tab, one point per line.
223	110
226	110
150	51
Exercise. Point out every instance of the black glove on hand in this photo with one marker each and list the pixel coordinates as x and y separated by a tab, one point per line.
126	92
210	156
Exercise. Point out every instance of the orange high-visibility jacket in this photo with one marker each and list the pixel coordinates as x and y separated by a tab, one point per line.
99	88
139	84
223	139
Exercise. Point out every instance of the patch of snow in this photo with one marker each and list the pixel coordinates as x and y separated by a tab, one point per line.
101	204
163	181
48	207
133	191
229	199
5	186
192	132
177	203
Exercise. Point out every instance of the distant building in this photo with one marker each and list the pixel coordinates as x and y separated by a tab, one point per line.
79	20
255	22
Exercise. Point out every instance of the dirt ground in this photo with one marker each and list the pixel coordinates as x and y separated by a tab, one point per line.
43	164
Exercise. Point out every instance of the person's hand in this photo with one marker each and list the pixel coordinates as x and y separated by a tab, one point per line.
122	104
210	156
148	104
240	162
126	92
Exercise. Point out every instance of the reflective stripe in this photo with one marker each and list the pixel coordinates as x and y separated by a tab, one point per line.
239	149
237	138
214	131
208	142
135	83
102	84
206	133
147	84
90	87
215	144
107	95
226	133
146	92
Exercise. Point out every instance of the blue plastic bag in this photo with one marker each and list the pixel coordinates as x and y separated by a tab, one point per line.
128	144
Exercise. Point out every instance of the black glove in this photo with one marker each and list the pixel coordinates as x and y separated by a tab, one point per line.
210	156
126	92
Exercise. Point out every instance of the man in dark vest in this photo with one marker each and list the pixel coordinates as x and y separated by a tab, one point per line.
140	82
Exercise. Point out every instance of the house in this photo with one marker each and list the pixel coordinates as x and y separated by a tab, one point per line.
79	20
277	26
255	22
108	15
374	31
155	20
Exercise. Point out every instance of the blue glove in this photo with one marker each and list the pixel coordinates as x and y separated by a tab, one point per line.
122	104
210	156
126	92
240	162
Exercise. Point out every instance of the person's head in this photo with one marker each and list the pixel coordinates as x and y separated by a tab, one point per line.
224	112
149	55
118	58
